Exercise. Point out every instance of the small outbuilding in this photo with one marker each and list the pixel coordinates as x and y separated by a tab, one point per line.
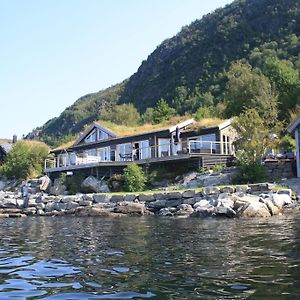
294	128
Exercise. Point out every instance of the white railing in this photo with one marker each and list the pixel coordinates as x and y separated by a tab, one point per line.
143	153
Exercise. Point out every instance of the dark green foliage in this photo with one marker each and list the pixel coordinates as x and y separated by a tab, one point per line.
116	182
25	160
125	114
72	183
247	88
287	143
203	112
250	172
162	112
147	117
134	178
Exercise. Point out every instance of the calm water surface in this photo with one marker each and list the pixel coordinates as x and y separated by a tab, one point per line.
149	258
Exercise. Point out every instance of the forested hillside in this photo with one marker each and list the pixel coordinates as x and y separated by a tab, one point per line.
243	55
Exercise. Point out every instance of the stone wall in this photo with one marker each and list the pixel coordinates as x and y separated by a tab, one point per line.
278	169
250	201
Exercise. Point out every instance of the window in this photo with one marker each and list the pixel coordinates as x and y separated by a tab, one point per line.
104	153
163	147
201	142
124	151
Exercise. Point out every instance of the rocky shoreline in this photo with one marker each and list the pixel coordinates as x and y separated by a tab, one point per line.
257	200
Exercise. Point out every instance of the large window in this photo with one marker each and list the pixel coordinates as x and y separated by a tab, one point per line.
104	153
144	150
124	152
163	147
203	142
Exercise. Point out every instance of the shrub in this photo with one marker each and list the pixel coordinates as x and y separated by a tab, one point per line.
134	178
251	171
72	183
25	160
116	182
162	112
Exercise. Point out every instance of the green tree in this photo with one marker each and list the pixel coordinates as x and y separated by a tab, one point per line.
147	117
286	79
25	160
125	114
134	178
247	89
254	140
162	111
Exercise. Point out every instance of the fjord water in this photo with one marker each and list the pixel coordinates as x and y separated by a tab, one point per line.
149	258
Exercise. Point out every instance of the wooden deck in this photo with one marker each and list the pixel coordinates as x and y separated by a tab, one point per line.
204	160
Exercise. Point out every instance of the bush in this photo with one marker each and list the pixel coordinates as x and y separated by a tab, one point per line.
250	172
116	182
72	183
134	178
25	160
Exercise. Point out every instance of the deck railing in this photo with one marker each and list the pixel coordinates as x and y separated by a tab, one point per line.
164	150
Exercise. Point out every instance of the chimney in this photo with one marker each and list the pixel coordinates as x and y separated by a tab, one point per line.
15	138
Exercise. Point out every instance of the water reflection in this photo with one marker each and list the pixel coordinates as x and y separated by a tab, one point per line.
158	258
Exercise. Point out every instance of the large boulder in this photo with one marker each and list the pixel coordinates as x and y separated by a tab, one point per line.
58	188
92	185
184	210
256	209
280	200
130	208
45	183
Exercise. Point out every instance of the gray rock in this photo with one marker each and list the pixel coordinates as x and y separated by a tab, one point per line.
242	189
256	209
92	184
190	201
225	211
4	215
227	189
184	210
72	205
116	198
8	202
174	195
165	212
40	206
259	187
188	194
29	211
129	197
131	208
285	191
146	197
158	204
45	183
58	188
67	199
101	198
280	200
273	209
85	202
173	202
211	190
203	212
20	203
92	211
202	203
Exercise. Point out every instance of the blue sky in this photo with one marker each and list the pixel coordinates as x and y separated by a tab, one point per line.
54	51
